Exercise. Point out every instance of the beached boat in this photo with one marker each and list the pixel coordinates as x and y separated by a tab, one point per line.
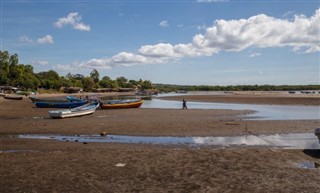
13	97
75	112
120	104
317	133
67	104
67	99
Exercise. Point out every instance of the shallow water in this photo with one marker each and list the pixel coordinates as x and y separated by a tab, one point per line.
308	165
263	112
286	141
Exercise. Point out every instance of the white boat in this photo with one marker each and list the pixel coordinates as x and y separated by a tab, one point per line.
317	133
75	112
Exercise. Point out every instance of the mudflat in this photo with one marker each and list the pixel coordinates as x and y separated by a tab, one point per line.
29	165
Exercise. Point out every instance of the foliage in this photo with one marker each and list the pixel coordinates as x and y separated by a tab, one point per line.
174	88
22	76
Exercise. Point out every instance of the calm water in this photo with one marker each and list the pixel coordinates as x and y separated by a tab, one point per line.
286	141
263	112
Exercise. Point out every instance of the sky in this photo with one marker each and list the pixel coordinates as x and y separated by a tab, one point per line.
185	42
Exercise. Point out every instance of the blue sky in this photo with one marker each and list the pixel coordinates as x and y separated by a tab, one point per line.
190	42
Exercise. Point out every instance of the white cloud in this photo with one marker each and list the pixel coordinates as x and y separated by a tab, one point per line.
73	19
164	24
40	62
259	31
254	55
25	39
47	39
67	68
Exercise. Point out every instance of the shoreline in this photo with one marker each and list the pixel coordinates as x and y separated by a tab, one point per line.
37	165
273	98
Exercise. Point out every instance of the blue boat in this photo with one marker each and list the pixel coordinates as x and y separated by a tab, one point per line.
68	104
67	99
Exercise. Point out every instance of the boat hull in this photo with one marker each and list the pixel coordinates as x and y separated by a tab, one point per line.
13	97
75	112
73	104
122	104
67	99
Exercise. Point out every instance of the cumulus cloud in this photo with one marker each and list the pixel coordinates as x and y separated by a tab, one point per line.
25	39
254	55
164	24
259	31
40	62
68	68
47	39
73	19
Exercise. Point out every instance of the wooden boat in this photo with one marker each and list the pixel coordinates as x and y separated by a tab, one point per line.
67	99
317	133
68	104
13	97
119	104
75	112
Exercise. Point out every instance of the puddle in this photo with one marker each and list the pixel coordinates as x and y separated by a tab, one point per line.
285	141
38	117
308	165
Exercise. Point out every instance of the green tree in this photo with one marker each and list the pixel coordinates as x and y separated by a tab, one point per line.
4	68
122	82
95	75
146	84
88	83
106	82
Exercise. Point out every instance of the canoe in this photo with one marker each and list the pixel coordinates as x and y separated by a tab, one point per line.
13	97
119	104
67	99
317	133
75	112
68	104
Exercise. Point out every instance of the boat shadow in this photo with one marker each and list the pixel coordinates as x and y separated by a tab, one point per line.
315	153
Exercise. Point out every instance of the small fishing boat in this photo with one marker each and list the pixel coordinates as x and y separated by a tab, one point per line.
120	104
317	133
67	99
75	112
67	104
13	97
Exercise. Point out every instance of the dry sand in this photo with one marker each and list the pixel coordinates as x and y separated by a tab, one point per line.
52	166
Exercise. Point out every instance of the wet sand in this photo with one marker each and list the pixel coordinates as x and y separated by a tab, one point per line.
53	166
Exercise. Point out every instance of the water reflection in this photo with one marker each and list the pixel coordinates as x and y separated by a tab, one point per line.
287	141
263	112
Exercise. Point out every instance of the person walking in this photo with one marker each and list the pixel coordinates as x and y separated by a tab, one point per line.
184	103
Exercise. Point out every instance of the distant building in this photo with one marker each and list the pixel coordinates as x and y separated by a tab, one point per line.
8	89
126	89
73	90
103	90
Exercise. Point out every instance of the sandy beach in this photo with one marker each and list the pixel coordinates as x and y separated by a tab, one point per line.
29	165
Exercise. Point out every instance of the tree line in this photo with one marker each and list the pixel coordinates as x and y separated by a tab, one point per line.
23	76
170	87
